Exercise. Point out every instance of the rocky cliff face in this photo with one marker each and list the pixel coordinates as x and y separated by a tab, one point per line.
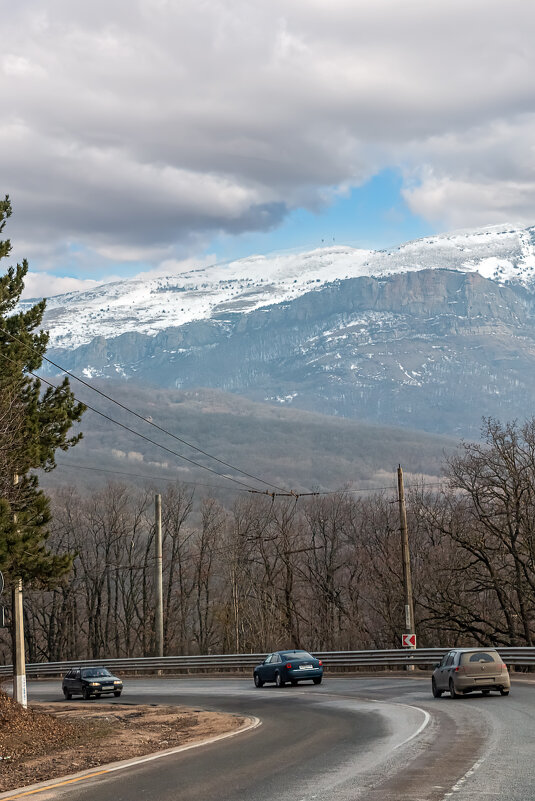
433	349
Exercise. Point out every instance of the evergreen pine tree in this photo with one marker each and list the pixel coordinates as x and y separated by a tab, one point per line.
33	425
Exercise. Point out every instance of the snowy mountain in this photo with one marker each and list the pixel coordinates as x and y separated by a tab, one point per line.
502	253
431	335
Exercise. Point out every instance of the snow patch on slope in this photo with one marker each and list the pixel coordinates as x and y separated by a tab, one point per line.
501	253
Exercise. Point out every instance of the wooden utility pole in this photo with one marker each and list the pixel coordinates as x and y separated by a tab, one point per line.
158	578
19	657
405	555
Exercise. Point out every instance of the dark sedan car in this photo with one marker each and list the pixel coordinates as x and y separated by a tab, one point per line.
90	681
292	666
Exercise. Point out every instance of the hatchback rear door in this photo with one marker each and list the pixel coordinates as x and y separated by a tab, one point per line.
482	666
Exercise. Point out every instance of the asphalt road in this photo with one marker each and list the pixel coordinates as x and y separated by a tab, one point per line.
375	739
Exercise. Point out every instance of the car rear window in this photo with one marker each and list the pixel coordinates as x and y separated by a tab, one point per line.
297	655
480	656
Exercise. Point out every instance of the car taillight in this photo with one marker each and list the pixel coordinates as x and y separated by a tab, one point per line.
459	670
288	665
504	667
320	662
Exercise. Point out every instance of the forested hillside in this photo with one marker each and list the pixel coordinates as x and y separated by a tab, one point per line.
321	572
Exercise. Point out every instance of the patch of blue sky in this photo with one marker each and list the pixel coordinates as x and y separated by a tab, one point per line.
373	216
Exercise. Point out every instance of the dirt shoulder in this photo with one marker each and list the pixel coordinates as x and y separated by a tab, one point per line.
46	741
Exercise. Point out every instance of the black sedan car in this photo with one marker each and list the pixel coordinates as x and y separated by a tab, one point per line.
292	666
90	681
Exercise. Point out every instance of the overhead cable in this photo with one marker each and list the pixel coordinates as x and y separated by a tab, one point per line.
138	433
139	416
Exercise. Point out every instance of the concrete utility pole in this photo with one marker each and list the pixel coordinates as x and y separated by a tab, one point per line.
19	666
158	623
19	661
405	555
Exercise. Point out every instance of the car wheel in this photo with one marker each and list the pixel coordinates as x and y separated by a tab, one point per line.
86	695
504	692
67	695
436	692
117	693
258	681
485	692
453	691
317	681
278	680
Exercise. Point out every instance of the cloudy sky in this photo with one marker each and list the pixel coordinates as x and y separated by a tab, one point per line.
142	135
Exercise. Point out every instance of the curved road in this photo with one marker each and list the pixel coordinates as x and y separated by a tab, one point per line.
375	739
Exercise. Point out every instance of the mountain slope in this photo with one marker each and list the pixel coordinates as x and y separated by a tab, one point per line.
293	449
502	253
433	349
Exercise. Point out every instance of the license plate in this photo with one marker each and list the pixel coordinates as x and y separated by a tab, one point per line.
108	687
306	667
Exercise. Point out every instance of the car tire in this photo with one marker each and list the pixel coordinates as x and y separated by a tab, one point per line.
485	692
317	681
86	695
293	682
258	681
504	692
117	693
453	691
279	681
97	695
67	695
436	692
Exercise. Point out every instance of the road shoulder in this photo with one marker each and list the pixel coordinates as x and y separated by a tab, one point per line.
112	736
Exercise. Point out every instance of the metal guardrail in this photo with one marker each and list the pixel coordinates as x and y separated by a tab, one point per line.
238	662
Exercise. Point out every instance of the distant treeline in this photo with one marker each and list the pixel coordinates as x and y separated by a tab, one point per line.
322	572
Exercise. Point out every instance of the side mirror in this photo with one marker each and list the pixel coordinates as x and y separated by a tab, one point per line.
437	665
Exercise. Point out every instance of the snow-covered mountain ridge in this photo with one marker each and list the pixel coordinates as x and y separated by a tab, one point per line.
505	254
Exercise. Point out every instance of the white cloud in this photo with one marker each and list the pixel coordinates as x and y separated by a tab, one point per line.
141	129
45	285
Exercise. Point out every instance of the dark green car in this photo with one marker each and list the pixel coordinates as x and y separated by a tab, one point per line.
91	681
288	666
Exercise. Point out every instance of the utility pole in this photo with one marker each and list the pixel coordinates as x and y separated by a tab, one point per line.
405	555
19	661
158	623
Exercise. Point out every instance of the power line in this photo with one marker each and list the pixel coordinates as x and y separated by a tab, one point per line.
374	489
138	433
231	489
283	492
70	465
139	416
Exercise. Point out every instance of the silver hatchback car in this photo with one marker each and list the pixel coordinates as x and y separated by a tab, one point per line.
465	670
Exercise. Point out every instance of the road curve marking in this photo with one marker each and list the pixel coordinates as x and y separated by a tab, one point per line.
419	730
253	723
427	718
460	782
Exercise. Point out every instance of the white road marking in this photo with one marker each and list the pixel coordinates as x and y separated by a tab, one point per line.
427	718
459	784
129	763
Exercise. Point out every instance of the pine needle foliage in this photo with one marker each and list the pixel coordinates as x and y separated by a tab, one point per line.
33	425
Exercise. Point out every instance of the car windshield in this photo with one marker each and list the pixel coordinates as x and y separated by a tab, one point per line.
95	673
297	655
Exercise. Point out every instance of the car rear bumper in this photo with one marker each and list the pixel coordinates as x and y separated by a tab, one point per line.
296	674
466	683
